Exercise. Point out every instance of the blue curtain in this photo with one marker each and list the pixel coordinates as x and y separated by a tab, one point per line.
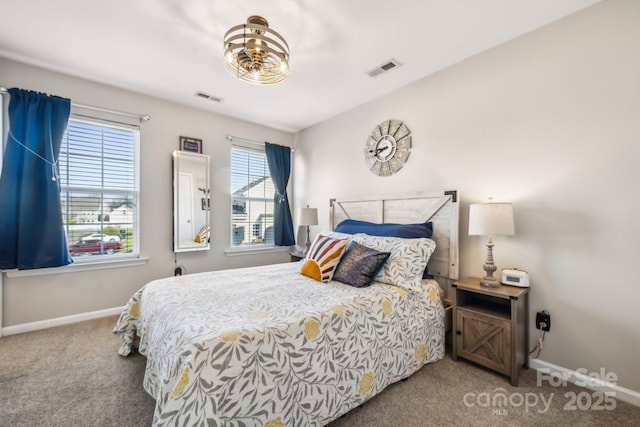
31	230
279	161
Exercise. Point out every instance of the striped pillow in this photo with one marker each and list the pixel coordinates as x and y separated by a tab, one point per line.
323	258
203	234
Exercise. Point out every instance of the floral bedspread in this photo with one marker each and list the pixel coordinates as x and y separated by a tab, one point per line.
267	346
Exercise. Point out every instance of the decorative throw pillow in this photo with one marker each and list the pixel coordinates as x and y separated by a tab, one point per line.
406	231
323	258
203	234
407	261
336	234
359	265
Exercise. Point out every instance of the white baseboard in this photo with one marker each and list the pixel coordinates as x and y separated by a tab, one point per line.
574	377
49	323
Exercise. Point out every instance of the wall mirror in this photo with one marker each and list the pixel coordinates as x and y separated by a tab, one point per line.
191	202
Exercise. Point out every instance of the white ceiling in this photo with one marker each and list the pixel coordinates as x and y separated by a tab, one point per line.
173	48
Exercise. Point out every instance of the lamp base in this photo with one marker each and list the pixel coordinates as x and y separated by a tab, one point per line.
307	243
489	267
489	282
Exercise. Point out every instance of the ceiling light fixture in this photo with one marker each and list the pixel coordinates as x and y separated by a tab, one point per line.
255	53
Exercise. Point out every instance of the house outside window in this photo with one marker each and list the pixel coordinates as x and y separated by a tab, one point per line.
99	178
252	193
256	229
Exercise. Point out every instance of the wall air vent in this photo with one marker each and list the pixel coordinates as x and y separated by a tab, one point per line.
207	96
387	66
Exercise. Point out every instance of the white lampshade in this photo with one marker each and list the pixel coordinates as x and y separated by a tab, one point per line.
490	219
308	216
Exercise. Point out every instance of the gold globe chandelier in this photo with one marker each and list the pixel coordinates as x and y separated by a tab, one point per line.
255	53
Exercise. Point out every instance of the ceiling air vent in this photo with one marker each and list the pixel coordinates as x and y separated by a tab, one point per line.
207	96
387	66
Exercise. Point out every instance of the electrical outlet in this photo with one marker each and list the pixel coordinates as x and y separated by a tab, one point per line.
543	320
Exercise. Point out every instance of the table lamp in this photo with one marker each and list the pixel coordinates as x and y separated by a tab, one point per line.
307	217
489	219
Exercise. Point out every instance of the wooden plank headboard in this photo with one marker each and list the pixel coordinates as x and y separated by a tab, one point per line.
441	208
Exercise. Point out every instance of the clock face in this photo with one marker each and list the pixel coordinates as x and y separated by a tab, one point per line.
387	148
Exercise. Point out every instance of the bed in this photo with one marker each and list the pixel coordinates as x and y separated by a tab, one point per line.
269	346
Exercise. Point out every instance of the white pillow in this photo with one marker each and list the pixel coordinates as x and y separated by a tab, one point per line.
407	261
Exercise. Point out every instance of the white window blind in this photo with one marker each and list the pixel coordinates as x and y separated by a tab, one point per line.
252	193
99	177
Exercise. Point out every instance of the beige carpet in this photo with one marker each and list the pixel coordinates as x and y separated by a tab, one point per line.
72	376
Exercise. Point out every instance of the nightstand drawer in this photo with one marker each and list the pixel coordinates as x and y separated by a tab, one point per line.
484	339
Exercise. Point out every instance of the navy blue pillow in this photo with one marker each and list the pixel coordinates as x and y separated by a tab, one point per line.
405	231
359	265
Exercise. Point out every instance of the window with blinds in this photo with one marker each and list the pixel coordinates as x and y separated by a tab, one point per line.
252	194
99	178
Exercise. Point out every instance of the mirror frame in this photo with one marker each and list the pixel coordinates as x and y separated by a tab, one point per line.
199	202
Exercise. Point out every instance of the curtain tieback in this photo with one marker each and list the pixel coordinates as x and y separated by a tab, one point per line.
54	164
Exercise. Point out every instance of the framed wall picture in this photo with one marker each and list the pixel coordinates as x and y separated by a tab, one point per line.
193	145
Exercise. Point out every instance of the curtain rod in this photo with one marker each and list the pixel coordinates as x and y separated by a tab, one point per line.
250	141
141	117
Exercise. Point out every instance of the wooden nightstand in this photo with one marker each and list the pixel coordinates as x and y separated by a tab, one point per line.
296	256
490	326
448	323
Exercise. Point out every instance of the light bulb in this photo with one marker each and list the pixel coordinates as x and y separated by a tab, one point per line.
228	56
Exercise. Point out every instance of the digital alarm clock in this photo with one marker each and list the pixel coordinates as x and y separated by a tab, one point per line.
515	277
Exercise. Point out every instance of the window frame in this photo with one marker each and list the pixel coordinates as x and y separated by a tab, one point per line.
252	247
117	259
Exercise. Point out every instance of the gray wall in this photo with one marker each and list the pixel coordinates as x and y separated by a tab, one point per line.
549	122
35	298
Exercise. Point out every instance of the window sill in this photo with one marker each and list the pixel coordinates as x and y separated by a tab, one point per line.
253	251
79	266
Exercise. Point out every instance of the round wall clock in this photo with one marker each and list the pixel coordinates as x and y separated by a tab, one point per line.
387	148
